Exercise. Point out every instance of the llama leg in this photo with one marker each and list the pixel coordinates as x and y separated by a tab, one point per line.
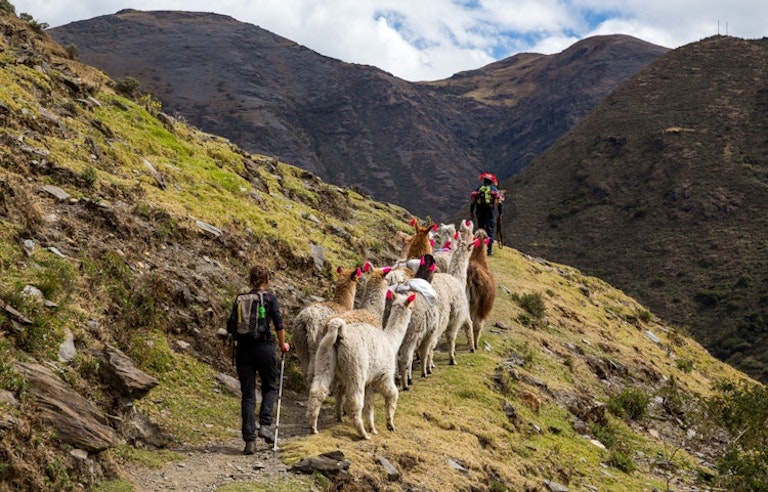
477	327
452	333
338	392
368	410
389	390
316	396
356	408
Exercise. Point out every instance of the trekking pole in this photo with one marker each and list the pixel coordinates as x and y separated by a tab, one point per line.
279	398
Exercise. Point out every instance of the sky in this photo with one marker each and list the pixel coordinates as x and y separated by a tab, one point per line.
420	40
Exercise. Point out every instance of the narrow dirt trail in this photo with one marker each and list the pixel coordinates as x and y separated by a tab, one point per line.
208	467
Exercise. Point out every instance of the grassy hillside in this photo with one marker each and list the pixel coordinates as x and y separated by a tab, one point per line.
574	383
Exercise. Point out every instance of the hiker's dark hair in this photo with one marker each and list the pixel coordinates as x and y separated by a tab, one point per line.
258	275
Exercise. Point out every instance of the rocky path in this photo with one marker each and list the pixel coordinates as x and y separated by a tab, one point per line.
208	467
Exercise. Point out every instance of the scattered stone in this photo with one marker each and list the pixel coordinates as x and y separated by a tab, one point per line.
55	251
555	487
211	230
15	314
67	350
230	384
182	344
597	443
158	177
57	192
653	337
454	464
32	292
80	454
8	398
318	255
501	325
118	370
332	465
29	246
392	473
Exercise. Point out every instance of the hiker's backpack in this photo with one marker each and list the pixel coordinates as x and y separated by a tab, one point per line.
484	195
252	316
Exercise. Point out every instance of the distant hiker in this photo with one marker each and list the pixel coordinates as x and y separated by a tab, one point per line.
484	201
255	353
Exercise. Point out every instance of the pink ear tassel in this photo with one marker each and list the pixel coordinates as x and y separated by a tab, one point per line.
432	242
412	222
411	298
434	227
389	295
422	261
359	272
367	267
467	223
432	267
456	235
386	269
477	243
487	240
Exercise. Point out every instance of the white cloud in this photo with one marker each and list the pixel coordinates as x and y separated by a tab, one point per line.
432	39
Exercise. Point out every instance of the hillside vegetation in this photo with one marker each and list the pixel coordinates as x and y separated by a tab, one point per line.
123	227
661	191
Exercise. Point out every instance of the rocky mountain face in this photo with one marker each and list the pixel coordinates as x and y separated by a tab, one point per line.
662	190
419	145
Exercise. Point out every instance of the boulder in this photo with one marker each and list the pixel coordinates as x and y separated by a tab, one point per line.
77	421
120	373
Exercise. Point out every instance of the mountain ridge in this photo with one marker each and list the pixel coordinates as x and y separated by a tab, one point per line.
350	124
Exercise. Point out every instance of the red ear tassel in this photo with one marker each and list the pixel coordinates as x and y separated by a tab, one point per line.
434	227
338	270
456	235
432	242
411	298
487	240
386	269
432	267
367	267
467	223
477	243
359	272
389	295
413	222
422	261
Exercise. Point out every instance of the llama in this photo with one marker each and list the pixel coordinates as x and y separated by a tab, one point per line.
446	237
305	332
481	288
453	305
362	357
424	319
420	243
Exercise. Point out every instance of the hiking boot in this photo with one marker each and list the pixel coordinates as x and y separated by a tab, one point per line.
267	434
250	447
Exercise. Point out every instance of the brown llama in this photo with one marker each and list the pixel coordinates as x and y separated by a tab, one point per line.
481	288
420	243
307	326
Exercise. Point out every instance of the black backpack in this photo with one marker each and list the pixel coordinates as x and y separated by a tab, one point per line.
252	316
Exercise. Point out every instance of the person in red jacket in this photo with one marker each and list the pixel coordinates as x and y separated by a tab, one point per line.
485	200
255	354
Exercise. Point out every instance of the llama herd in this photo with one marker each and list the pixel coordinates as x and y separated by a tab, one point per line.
360	343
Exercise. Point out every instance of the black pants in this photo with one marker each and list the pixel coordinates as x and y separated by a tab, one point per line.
253	358
487	221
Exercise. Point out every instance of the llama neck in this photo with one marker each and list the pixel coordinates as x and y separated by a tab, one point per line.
374	296
397	323
346	288
479	257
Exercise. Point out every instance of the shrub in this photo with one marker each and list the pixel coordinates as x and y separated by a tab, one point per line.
621	460
6	6
128	87
72	52
38	27
533	304
631	404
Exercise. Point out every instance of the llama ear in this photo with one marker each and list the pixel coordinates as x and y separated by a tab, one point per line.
367	267
413	222
386	269
358	272
411	298
389	295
